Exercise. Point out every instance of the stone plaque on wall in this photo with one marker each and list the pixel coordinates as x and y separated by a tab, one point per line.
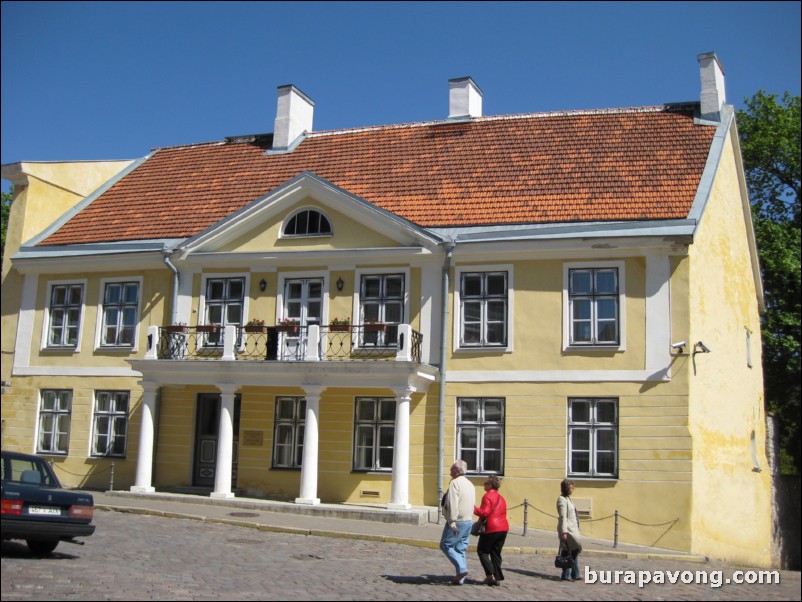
253	438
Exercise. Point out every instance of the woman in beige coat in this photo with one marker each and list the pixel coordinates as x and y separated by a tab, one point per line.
568	528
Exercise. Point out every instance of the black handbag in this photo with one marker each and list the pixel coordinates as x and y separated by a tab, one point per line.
563	559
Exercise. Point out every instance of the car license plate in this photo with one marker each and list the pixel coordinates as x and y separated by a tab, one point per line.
43	510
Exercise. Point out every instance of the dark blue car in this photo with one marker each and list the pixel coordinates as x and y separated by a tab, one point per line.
36	508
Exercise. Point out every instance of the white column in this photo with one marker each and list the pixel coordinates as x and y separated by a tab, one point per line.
309	464
399	496
225	444
144	461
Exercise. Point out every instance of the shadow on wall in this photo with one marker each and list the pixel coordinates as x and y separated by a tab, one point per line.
786	493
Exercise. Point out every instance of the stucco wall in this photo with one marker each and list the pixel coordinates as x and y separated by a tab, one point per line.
731	489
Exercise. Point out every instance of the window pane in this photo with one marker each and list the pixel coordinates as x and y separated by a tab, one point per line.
606	281
387	410
581	309
469	410
394	287
234	314
496	284
496	334
469	438
371	287
605	411
365	409
580	440
471	285
494	410
131	293
75	295
113	294
492	460
496	311
236	287
580	411
580	282
472	311
605	440
472	334
285	409
580	462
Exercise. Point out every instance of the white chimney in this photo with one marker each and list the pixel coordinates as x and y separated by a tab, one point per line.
464	98
713	96
294	114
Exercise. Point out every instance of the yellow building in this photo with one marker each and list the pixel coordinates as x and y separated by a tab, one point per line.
336	316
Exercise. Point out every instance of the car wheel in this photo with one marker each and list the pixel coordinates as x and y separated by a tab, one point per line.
42	548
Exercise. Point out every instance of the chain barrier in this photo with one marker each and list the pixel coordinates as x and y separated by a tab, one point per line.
98	471
616	515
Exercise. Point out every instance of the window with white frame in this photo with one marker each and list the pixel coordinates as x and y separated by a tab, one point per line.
110	423
308	222
382	297
225	299
593	437
374	433
480	433
120	314
66	303
483	309
55	409
594	312
288	438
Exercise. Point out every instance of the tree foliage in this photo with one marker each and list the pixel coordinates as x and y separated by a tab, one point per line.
6	209
770	141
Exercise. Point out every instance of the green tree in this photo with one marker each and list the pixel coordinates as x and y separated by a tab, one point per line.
6	209
770	141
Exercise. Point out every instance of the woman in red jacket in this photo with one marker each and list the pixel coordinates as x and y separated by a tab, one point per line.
494	510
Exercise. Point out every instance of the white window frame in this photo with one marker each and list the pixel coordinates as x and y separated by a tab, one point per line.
388	271
57	414
99	345
622	306
45	344
202	303
594	426
457	330
482	425
299	210
377	424
114	414
297	425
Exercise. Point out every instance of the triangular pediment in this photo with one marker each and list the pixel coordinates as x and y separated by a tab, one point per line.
355	223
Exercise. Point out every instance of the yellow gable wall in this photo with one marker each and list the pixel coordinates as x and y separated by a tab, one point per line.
733	516
347	234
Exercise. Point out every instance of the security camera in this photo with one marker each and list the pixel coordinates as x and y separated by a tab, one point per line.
679	345
700	347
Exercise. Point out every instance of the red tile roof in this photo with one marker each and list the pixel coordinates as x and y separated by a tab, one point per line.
642	164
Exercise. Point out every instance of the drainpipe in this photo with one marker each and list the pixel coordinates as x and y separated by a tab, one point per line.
174	310
441	408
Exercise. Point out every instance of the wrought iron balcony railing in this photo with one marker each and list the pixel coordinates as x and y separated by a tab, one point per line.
365	342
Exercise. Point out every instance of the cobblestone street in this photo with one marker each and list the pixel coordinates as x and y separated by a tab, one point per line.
138	557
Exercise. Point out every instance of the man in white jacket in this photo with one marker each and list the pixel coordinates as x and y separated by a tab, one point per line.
460	500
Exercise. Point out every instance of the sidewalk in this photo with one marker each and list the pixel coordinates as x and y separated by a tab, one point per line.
416	527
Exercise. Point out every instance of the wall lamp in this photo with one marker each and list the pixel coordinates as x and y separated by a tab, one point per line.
262	285
340	284
700	347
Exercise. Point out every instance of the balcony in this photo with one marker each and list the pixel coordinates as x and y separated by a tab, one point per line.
312	343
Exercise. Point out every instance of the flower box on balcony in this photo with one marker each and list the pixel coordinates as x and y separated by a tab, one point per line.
339	327
287	329
208	328
176	328
255	328
375	327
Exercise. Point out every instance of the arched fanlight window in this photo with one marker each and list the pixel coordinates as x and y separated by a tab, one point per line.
307	222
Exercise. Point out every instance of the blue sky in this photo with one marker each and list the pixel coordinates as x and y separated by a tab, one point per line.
111	80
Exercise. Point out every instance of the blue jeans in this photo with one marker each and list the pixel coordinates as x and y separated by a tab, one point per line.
572	572
455	544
